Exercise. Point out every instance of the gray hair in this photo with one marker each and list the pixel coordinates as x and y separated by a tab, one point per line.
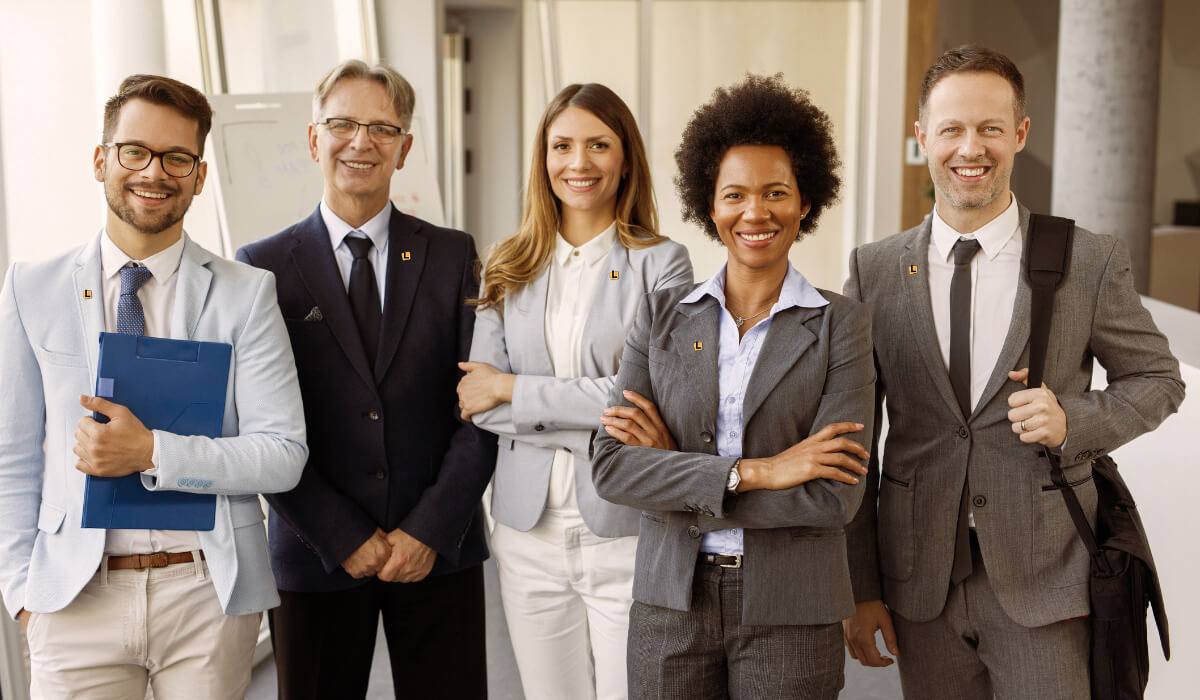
399	91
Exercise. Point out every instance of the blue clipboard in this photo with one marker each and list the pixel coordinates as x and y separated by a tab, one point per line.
177	386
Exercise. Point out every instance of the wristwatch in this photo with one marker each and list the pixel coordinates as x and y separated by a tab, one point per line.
735	477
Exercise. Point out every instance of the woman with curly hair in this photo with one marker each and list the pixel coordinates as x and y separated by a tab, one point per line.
733	418
557	300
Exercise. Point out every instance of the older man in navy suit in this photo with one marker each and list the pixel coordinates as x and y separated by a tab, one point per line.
386	518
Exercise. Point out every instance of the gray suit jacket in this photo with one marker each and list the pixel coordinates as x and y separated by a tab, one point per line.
1036	562
546	412
814	368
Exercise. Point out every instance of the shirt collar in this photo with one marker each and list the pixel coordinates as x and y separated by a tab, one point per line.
376	228
162	264
796	291
992	236
592	252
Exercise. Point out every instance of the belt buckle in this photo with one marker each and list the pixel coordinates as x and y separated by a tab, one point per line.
737	561
153	560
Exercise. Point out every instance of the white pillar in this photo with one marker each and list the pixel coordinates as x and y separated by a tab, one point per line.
128	36
1106	120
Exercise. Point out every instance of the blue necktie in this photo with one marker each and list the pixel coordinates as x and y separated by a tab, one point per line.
130	317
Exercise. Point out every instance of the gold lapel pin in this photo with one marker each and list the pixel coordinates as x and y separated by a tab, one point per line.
697	345
87	294
614	275
912	269
406	255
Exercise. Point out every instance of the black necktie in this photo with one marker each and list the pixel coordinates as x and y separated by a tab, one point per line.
130	317
960	378
364	295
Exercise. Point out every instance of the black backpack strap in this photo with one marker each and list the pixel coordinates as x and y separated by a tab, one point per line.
1049	251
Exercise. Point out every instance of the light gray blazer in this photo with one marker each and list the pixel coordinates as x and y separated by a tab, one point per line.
814	368
51	316
547	413
1036	563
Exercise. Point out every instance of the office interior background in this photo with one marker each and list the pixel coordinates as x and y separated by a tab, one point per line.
1113	91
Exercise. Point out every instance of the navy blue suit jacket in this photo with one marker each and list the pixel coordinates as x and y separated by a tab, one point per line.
386	446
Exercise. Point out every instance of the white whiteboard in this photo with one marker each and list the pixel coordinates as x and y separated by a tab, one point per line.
266	180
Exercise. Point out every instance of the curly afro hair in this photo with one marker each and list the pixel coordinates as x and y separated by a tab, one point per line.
759	111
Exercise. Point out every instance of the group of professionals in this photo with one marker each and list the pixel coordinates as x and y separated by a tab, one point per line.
685	485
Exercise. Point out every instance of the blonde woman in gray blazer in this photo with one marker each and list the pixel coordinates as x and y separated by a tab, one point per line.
556	303
735	409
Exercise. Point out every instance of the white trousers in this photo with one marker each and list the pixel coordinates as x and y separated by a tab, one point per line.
128	628
566	595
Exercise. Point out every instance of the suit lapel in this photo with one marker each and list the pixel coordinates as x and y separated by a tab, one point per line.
191	289
313	257
695	340
1018	330
786	342
406	260
527	315
604	314
920	313
89	295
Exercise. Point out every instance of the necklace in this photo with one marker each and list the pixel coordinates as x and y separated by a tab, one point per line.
741	320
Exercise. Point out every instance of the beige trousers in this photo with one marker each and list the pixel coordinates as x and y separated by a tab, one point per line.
126	629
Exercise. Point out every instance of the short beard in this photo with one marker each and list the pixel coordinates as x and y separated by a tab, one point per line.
154	226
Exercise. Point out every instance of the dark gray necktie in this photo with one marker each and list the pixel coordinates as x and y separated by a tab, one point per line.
364	295
960	379
130	317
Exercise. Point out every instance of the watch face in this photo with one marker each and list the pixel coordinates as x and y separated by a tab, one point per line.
735	478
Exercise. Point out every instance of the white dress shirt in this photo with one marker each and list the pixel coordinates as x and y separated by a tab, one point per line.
735	363
157	295
375	229
574	275
995	273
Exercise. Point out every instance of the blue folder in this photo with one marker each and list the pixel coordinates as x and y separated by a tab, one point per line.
177	386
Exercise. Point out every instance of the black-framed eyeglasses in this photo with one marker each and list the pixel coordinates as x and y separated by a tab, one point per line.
136	157
346	129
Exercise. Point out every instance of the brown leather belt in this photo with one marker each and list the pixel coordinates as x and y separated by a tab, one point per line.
725	561
154	560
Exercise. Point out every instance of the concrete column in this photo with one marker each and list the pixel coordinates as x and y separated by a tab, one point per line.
1106	120
128	36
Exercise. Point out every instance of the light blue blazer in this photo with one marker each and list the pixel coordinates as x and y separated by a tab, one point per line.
546	412
51	316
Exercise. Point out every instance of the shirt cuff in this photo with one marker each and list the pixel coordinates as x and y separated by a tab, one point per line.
153	471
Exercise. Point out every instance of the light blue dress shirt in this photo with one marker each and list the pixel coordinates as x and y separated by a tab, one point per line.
735	363
376	230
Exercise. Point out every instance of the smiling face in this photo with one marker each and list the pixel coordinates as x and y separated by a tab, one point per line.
148	202
585	162
357	171
970	138
757	208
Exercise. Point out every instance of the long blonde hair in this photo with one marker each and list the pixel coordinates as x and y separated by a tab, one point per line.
518	259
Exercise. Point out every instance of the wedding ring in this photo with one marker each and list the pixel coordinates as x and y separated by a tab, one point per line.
1022	426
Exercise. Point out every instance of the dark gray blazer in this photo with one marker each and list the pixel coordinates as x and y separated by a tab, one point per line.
814	368
1036	563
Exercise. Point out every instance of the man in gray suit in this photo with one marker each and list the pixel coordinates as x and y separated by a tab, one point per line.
993	601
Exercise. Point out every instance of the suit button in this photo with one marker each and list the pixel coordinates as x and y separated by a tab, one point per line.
962	432
373	414
693	531
1081	456
706	436
380	474
979	501
539	427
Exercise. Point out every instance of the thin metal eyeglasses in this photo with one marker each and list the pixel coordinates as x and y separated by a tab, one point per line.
346	129
136	157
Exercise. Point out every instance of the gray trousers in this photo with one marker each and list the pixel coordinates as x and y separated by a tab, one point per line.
706	653
974	651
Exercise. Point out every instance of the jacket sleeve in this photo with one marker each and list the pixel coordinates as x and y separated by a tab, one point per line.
446	508
862	546
22	460
1144	384
548	404
268	452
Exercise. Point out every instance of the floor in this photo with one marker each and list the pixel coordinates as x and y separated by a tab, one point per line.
505	684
